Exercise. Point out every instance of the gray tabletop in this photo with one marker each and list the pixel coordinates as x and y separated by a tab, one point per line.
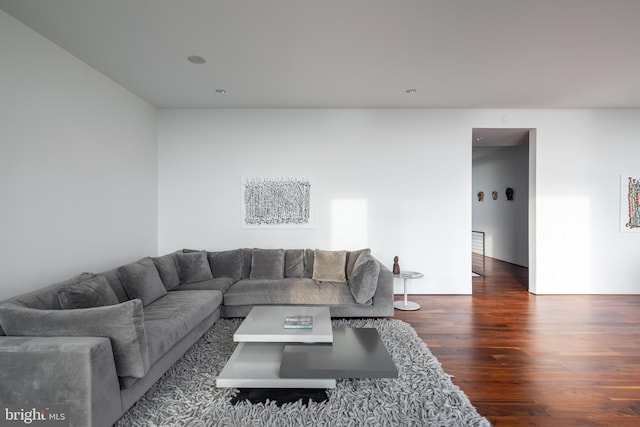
355	353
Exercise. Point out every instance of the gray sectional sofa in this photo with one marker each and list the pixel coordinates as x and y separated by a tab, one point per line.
92	345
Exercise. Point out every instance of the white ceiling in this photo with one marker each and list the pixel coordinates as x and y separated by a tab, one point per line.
355	53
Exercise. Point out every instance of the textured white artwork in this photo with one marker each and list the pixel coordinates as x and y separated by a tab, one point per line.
276	202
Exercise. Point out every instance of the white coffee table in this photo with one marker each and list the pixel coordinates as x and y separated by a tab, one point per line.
269	356
265	324
255	363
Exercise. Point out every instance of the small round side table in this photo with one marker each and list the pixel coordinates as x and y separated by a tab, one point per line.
407	305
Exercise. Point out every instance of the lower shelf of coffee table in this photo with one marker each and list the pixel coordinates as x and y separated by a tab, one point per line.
355	353
257	365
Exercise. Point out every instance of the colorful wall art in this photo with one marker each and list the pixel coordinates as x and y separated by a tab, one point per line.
629	204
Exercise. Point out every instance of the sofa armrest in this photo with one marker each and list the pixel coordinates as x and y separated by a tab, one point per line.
75	375
383	298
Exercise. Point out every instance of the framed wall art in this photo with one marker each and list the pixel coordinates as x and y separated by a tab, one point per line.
276	202
629	204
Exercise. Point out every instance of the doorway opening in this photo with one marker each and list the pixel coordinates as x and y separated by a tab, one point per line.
503	199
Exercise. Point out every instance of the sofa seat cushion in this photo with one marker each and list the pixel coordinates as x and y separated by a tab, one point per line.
168	319
288	291
217	284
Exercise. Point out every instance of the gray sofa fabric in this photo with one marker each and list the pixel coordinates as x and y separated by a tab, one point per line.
267	264
308	263
174	315
164	304
291	291
193	267
132	393
141	280
294	263
352	257
170	318
98	378
167	266
226	264
47	297
116	284
364	279
368	294
93	292
77	373
288	291
219	284
122	324
247	256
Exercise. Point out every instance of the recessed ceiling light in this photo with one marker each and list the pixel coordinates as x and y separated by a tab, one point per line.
411	91
221	91
195	59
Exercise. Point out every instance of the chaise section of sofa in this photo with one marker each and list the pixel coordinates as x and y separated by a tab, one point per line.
94	344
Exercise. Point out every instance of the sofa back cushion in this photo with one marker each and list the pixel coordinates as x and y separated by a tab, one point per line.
352	257
308	263
121	323
294	263
247	256
92	292
141	280
194	267
116	284
226	263
329	266
267	264
167	266
364	279
47	298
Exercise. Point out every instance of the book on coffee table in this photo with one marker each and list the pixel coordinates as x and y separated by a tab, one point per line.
298	322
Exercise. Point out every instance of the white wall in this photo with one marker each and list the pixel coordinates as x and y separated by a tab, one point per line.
78	170
504	222
406	165
413	168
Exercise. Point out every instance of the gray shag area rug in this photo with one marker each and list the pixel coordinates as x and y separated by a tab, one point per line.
422	395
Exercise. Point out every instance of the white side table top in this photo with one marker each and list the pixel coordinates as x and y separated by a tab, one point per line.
409	275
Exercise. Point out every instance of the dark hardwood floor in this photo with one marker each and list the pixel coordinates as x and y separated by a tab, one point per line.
527	360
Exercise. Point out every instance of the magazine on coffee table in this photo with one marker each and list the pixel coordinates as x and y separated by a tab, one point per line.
298	322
